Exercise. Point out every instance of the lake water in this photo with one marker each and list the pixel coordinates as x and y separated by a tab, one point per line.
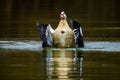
20	60
23	58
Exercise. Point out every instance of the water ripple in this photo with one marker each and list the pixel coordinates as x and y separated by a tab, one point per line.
37	45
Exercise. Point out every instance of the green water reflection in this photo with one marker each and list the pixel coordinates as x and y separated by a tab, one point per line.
59	64
64	64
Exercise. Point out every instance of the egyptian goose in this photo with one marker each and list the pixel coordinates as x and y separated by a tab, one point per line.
63	36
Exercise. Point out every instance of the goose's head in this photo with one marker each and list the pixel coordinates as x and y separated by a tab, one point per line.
63	15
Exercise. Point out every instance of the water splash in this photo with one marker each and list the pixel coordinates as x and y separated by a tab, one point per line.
37	45
21	45
102	46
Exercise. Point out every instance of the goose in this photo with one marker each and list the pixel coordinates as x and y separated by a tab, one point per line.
63	36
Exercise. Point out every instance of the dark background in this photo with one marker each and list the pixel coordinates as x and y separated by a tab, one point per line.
99	18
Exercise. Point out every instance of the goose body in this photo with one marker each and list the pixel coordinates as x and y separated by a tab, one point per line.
63	36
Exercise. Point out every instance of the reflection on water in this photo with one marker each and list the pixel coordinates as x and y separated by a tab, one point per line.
27	60
59	64
64	64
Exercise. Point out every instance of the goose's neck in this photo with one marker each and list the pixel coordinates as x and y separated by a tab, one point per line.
63	24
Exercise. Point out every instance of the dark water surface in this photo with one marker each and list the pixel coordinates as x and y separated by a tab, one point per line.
27	60
23	58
